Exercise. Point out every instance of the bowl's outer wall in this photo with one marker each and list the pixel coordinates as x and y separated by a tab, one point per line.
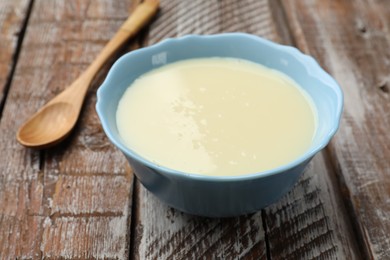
214	198
208	196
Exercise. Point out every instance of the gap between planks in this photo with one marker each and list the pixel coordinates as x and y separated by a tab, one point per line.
15	57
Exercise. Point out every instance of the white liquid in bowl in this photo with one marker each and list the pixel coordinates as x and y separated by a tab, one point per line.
216	116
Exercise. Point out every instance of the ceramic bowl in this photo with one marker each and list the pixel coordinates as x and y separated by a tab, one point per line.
218	196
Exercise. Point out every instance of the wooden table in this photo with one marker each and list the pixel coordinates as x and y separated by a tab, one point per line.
80	199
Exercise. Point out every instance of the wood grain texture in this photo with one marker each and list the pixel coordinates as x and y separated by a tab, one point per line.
178	18
303	225
311	222
73	201
161	232
13	15
351	38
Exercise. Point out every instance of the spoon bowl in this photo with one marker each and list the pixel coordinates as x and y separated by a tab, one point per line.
45	128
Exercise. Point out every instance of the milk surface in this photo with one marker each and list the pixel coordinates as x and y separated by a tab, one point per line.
216	116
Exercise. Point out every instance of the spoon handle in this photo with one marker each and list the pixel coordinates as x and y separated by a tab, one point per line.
141	15
76	92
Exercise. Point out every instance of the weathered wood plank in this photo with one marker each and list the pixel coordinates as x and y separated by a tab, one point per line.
72	201
161	232
304	224
91	203
20	187
311	221
351	38
178	18
13	15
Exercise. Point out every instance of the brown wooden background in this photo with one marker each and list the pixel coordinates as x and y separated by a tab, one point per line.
80	199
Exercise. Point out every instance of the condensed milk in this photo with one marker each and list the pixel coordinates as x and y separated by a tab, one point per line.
216	116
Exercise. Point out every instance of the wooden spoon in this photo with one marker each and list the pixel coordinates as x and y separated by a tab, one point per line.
54	121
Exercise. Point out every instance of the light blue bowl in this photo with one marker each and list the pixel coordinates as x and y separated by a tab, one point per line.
231	195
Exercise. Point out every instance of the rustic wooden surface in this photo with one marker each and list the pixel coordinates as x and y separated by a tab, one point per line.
80	199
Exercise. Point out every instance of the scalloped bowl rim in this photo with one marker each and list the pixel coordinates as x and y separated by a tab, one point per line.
310	64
